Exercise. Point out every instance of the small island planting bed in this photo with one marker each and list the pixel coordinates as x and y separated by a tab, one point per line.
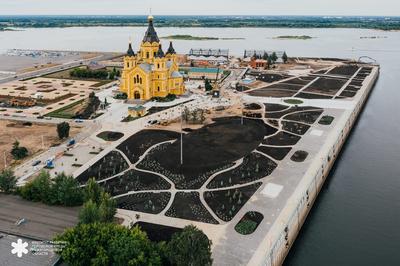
188	206
147	202
110	135
226	203
108	166
273	107
299	156
326	120
305	117
187	37
249	223
293	37
293	101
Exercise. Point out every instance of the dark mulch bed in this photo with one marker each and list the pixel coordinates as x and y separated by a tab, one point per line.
270	92
158	232
227	203
111	164
352	88
326	86
273	122
303	95
282	139
252	106
188	206
207	150
268	77
288	111
308	117
134	180
255	166
347	93
140	142
294	127
273	107
346	70
252	115
249	223
287	86
300	81
110	135
356	83
275	152
299	156
326	120
146	202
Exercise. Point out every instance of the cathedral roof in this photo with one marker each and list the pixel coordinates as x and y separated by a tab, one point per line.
130	51
160	53
151	34
171	49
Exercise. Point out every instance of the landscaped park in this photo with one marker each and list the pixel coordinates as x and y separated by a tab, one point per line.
224	163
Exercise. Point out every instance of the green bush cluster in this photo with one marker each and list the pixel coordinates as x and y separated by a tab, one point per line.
62	190
87	73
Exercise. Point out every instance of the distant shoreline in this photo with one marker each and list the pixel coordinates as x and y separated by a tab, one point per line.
377	23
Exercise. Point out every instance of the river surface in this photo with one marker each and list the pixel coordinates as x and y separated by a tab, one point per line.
356	219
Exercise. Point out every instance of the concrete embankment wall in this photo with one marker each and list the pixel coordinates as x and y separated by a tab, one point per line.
285	230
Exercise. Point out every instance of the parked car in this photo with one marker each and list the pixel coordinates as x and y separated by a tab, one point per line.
35	163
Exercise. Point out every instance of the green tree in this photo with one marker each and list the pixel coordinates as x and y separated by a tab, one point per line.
190	247
265	56
269	61
207	85
93	191
284	57
89	213
65	191
63	130
18	152
39	189
8	181
107	244
107	208
274	57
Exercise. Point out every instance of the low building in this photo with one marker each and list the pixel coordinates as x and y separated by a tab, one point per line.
258	63
137	111
215	56
204	73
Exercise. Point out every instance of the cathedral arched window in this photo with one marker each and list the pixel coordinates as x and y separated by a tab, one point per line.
140	80
134	80
127	64
158	65
158	88
147	55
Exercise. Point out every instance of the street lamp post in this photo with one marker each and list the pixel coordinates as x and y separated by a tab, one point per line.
181	134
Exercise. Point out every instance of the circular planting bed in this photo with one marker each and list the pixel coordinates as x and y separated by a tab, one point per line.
249	223
299	156
293	101
326	120
110	135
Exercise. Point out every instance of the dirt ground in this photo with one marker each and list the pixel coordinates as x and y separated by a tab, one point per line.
28	136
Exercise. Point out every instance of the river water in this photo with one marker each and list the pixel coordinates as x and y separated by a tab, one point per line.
356	219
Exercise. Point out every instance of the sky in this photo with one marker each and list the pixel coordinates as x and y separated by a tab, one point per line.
201	7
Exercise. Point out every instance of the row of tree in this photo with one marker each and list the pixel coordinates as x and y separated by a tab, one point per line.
272	58
112	244
97	240
95	74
